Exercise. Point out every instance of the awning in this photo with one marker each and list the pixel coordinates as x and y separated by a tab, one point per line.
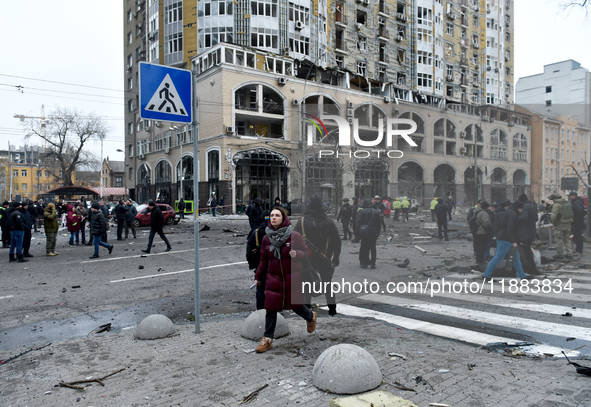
111	191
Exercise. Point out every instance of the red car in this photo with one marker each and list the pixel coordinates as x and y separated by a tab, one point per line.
143	216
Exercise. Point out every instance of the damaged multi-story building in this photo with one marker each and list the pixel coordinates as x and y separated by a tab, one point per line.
268	71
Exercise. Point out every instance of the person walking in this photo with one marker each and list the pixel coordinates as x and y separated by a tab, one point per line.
213	204
98	225
181	206
387	211
507	238
344	216
254	213
130	219
562	216
442	212
156	225
451	204
483	232
223	204
73	225
281	253
30	220
4	225
82	213
578	225
368	229
104	208
120	211
405	205
51	226
526	233
396	205
319	230
253	257
16	222
434	203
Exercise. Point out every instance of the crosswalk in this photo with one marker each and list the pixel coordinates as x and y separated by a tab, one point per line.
559	321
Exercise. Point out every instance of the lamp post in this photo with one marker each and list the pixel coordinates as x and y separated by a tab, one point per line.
124	173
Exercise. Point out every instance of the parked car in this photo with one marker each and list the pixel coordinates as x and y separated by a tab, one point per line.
143	216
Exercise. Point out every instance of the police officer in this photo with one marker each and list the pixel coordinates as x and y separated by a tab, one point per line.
405	204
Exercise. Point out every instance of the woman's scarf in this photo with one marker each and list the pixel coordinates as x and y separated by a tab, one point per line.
278	238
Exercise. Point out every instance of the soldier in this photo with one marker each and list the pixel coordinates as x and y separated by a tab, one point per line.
345	215
562	216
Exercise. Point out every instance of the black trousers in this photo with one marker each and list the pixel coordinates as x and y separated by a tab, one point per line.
160	233
27	241
120	226
271	319
5	235
480	244
346	230
367	251
529	265
260	295
442	227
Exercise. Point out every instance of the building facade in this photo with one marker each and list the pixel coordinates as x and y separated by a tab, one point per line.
264	68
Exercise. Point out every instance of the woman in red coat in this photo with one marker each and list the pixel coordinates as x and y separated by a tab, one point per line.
281	253
73	223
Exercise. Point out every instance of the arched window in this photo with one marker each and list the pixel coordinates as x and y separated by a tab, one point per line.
418	136
498	185
519	147
213	172
184	178
320	105
411	181
368	117
444	177
371	177
444	130
498	145
259	111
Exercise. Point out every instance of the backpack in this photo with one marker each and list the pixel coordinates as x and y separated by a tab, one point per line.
254	256
473	223
364	229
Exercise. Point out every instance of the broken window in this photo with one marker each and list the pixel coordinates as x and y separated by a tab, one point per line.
361	17
361	68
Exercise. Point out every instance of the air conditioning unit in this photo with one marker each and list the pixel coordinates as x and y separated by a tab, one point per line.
295	102
399	38
463	134
485	118
400	16
492	119
230	129
463	150
476	84
281	80
511	124
462	42
166	150
476	45
386	99
496	69
299	25
450	78
488	68
350	112
158	123
477	67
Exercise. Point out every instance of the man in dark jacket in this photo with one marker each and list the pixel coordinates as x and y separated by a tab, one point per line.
254	213
451	204
344	216
484	231
104	208
181	206
30	220
120	211
368	229
32	209
98	225
442	212
577	226
526	233
156	225
507	238
253	256
319	230
4	225
130	219
16	222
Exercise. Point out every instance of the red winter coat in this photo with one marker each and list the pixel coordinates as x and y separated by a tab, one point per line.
72	220
283	278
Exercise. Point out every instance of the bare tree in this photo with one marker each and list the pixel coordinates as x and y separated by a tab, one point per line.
66	134
576	5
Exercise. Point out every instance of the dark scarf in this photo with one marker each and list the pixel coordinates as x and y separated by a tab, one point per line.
278	238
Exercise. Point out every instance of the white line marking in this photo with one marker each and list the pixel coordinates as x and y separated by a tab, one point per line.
7	296
178	272
548	328
450	332
149	254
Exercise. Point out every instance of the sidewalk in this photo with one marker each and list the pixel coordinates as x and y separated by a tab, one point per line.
213	369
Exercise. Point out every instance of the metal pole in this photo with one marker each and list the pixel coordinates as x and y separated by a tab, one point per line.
11	177
195	125
101	168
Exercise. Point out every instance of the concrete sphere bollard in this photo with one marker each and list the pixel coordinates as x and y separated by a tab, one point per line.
254	326
346	369
154	327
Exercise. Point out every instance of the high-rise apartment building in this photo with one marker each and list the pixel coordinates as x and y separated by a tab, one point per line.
261	65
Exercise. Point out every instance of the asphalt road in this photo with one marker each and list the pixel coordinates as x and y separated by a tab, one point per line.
55	298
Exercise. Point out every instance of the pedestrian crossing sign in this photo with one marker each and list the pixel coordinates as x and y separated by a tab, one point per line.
165	93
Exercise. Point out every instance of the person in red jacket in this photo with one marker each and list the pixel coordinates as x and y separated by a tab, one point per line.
281	253
73	222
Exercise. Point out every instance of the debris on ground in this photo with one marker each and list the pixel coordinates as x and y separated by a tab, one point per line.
252	395
71	385
101	329
397	355
580	369
22	353
404	264
419	248
401	386
204	228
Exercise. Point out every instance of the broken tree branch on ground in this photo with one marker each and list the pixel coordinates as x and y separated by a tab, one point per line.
99	380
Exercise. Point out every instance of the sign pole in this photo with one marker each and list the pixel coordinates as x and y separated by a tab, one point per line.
195	124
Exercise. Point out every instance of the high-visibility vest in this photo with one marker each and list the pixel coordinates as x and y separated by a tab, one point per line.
434	203
405	203
396	205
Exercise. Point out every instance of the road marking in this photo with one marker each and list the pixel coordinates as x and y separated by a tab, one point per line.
178	272
548	328
7	296
149	254
449	332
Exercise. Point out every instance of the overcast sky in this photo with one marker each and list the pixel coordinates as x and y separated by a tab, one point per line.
80	42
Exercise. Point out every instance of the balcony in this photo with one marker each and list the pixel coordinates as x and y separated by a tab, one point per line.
340	44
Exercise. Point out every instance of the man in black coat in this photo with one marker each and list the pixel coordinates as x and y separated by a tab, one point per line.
254	213
442	212
16	222
507	238
577	226
32	209
156	225
344	216
4	225
181	205
130	219
526	233
120	211
368	229
253	256
318	229
98	226
104	208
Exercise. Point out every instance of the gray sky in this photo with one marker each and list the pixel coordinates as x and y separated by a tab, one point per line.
81	42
